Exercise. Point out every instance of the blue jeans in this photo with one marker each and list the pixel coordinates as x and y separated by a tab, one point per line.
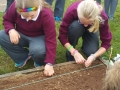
110	7
99	1
90	41
9	2
59	7
27	46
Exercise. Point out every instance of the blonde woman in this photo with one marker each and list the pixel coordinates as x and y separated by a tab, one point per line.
30	23
85	19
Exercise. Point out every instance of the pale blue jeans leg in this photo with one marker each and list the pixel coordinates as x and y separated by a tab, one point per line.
113	6
15	51
19	52
99	1
107	4
59	8
37	49
49	2
9	2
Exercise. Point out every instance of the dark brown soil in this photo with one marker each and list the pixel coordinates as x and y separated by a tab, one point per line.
67	77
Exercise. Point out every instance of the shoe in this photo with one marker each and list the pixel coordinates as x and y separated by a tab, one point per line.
36	64
58	19
20	65
111	18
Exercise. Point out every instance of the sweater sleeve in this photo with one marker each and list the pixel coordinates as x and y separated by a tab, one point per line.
69	17
105	34
50	35
9	18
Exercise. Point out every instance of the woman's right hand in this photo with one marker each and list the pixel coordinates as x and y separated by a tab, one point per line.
14	36
79	59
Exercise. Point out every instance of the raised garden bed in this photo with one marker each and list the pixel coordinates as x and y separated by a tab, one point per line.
68	76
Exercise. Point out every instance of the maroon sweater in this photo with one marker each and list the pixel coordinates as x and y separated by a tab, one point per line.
71	15
44	25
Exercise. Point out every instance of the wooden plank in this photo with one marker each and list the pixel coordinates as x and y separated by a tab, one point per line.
39	69
33	70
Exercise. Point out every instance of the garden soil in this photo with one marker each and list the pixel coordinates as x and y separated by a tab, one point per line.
67	77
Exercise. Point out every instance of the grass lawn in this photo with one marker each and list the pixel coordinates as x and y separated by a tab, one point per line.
7	65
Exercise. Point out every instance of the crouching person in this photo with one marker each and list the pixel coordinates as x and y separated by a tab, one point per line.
30	23
87	20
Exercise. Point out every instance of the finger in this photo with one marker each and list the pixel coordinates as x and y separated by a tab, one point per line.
45	73
16	40
87	63
48	73
82	60
78	61
18	35
51	72
11	40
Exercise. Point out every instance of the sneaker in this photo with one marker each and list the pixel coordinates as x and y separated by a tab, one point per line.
20	65
58	19
111	18
36	64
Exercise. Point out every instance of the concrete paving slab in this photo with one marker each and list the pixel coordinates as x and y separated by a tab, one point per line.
2	5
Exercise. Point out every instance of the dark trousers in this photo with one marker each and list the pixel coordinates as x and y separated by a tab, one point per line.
9	2
59	7
19	52
99	1
90	41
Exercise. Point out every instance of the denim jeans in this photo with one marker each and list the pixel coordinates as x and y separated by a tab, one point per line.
59	7
27	46
9	2
110	7
90	41
99	1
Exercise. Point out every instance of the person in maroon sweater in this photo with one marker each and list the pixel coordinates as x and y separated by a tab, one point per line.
85	19
30	25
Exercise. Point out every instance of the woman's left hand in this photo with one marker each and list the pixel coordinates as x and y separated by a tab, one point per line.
48	70
89	61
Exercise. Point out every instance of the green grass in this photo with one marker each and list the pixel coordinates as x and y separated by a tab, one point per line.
7	65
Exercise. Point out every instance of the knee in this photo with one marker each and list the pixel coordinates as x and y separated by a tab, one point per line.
3	36
76	28
2	33
89	51
38	52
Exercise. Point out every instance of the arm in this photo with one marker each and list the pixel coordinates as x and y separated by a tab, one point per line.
69	17
50	41
105	37
9	24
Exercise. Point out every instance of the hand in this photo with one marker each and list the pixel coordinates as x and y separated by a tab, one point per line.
14	36
48	70
89	61
79	58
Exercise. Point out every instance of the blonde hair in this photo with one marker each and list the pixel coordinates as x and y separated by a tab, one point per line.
31	3
112	78
89	9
